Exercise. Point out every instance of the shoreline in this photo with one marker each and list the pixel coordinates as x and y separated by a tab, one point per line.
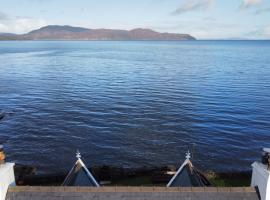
116	176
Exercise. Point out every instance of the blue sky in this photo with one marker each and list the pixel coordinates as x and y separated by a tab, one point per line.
204	19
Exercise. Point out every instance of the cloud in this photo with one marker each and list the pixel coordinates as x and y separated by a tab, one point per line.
260	33
201	28
209	18
191	5
19	24
250	3
259	6
262	11
3	16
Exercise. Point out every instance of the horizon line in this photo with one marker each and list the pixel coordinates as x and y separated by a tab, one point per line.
152	29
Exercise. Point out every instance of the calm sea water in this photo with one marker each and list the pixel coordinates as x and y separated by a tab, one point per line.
135	104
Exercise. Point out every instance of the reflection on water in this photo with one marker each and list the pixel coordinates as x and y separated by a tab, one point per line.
135	103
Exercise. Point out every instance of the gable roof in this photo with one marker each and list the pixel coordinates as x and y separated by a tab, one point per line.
188	176
79	175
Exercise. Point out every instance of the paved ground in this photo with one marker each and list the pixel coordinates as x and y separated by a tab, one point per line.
130	193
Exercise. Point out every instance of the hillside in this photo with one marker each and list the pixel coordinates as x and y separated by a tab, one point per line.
54	32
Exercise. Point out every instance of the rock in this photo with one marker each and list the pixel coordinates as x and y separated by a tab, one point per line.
171	168
21	171
2	115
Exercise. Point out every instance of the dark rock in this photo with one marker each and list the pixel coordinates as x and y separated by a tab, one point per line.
2	115
161	177
26	175
21	171
170	168
44	179
105	173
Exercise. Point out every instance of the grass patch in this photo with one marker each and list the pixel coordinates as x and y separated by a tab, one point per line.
229	179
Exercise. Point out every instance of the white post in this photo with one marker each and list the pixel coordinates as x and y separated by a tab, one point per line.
261	176
6	178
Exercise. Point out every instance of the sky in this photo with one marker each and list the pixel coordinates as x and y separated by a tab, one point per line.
203	19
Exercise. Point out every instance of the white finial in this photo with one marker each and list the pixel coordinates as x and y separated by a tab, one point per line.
78	154
188	155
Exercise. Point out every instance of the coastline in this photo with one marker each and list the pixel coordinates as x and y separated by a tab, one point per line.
116	176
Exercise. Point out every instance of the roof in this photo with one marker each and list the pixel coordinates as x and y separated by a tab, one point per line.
128	193
79	175
188	176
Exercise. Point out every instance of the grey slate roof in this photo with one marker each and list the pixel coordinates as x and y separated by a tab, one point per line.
130	193
79	175
188	176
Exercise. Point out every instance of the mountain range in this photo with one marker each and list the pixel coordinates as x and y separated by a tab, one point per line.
55	32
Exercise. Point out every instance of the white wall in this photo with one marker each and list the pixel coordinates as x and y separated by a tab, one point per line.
6	178
261	179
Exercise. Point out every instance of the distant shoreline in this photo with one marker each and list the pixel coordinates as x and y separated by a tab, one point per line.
56	32
197	40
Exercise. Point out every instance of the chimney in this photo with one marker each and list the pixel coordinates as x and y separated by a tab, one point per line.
261	175
6	174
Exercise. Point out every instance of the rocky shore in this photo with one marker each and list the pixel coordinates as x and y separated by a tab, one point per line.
113	176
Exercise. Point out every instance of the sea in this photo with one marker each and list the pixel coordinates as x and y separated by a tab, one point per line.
135	104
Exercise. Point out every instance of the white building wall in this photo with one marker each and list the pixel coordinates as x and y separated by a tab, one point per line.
261	179
6	178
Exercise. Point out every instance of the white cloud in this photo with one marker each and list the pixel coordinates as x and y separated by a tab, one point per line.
262	11
3	16
250	3
205	29
191	5
260	33
19	25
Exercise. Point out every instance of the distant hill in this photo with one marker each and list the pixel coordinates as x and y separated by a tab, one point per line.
8	36
54	32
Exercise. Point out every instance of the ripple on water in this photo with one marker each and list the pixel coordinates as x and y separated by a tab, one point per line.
135	104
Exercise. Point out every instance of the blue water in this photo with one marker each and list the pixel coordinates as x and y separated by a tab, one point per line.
135	104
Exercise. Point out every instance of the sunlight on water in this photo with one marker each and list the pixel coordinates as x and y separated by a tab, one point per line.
135	103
